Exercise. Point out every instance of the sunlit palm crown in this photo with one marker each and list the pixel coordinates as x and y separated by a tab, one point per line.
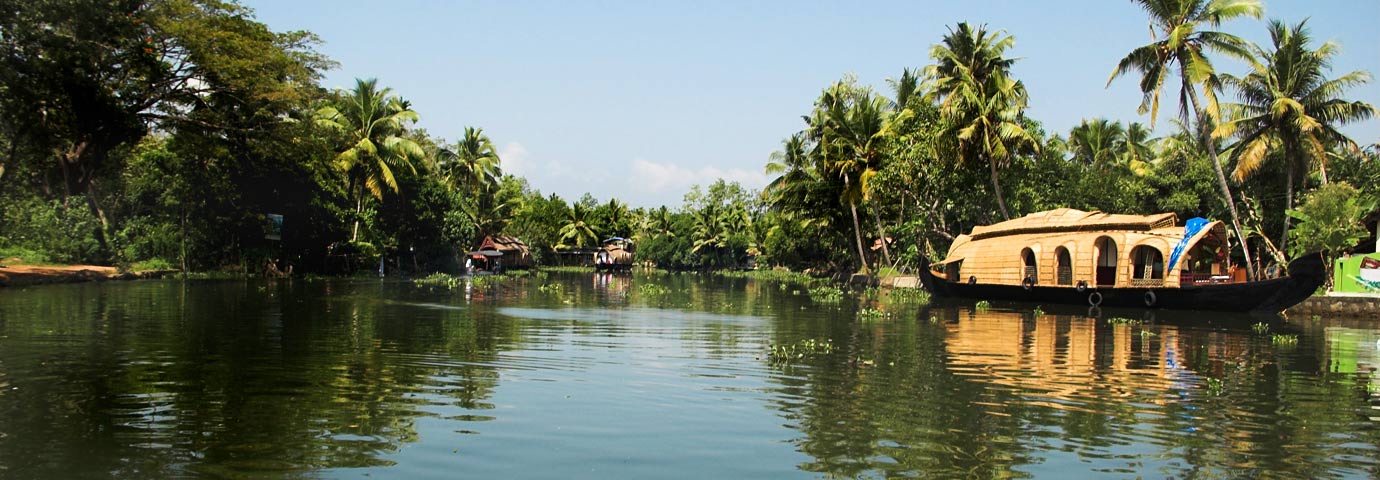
373	123
1288	103
1180	36
473	162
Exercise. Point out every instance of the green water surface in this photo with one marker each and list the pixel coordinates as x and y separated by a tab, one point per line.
572	376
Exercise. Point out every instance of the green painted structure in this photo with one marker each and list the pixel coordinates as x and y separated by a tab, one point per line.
1349	276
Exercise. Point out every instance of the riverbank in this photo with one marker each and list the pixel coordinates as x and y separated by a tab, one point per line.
1337	305
22	275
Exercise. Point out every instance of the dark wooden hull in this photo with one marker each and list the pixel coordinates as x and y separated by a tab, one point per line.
1266	296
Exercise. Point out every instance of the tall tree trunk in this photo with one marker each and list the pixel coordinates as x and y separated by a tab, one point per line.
359	210
857	235
996	187
1288	204
1322	170
1205	136
184	241
103	235
886	252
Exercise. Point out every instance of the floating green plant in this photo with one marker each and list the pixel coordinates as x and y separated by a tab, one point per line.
872	313
1123	321
910	295
1260	327
653	289
800	350
1284	339
983	305
1213	386
1038	311
826	294
438	280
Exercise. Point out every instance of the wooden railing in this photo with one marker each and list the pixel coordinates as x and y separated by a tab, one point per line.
1030	272
1147	282
1191	278
1065	275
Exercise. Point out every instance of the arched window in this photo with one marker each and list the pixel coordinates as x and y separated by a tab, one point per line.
1106	261
1029	270
1147	266
1064	268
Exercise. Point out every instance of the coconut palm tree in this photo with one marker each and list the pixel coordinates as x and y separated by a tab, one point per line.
1290	110
980	104
372	124
1136	152
800	192
472	163
577	231
1180	37
860	125
1097	143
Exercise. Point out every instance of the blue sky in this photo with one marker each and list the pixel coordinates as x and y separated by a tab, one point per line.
639	100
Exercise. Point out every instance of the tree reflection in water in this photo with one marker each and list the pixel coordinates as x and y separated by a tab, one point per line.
642	374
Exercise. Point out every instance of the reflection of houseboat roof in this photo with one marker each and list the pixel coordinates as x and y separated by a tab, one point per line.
1070	220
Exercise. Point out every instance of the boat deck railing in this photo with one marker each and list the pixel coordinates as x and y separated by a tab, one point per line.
1192	278
1147	282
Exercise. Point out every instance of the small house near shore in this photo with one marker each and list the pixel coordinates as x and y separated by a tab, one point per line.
501	251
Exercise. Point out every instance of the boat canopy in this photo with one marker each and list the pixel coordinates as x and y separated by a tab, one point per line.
1071	220
1039	245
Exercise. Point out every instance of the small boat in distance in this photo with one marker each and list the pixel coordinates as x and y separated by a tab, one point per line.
615	254
1099	259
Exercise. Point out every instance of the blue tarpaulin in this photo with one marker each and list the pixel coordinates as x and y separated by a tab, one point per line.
1191	228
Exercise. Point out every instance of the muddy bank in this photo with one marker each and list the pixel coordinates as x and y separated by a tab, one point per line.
21	275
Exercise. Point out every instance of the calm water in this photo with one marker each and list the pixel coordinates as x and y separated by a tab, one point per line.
578	376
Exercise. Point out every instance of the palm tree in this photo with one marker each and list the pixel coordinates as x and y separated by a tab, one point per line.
860	124
1291	109
616	218
980	104
577	231
372	123
473	163
1177	40
1136	152
1097	143
800	192
710	230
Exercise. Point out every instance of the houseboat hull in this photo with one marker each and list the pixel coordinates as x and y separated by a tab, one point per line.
1306	274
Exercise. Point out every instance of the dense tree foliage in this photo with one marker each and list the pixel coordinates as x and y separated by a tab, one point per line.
178	132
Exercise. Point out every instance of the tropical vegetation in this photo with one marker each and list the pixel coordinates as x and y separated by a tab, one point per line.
200	138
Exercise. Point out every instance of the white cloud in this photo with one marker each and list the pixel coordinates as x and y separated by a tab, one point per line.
514	159
652	177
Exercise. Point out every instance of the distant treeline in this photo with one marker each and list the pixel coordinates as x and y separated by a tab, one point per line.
175	132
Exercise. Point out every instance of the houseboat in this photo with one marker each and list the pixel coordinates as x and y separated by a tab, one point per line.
615	254
1099	259
497	253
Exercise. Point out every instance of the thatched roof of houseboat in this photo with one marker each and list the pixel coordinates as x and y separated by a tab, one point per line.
997	254
502	243
1070	220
